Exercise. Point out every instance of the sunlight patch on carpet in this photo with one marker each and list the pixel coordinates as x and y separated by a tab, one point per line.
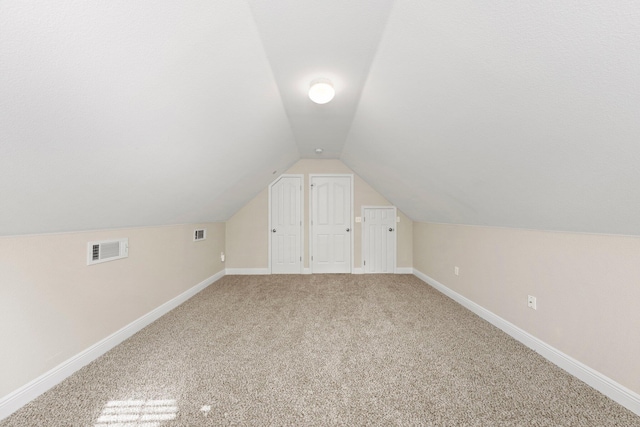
137	413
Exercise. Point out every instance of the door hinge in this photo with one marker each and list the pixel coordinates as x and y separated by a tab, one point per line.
311	257
300	258
365	263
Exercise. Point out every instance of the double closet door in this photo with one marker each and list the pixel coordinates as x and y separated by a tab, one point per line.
330	227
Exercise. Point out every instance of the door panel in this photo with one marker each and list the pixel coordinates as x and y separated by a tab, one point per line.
322	249
286	220
322	203
340	210
379	240
331	224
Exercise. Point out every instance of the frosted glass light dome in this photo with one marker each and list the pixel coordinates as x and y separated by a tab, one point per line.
321	91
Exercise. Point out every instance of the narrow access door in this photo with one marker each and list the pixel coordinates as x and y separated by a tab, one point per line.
286	225
379	239
331	224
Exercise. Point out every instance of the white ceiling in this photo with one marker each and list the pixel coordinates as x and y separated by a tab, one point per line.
517	114
305	40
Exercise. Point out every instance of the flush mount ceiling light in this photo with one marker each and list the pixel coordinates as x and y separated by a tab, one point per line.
321	91
319	150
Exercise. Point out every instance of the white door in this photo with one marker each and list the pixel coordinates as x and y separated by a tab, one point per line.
286	225
379	240
331	224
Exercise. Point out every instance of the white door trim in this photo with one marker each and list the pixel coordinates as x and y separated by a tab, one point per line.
310	237
395	234
301	176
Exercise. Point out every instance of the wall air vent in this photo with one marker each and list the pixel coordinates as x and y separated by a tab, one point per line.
200	234
107	250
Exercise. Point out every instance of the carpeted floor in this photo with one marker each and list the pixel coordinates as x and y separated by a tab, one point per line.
321	350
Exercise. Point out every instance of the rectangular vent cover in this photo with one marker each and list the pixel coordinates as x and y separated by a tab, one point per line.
107	250
200	234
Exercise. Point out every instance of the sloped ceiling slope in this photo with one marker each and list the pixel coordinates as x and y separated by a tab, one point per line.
117	114
517	114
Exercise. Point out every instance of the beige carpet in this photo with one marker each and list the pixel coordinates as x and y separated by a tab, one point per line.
321	350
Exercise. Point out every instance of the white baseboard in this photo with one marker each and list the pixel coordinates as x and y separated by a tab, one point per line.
605	385
247	271
20	397
255	271
399	270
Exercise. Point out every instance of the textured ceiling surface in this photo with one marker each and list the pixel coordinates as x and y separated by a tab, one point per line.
116	114
517	114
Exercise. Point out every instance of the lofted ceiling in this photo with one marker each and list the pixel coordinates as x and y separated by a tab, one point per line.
516	114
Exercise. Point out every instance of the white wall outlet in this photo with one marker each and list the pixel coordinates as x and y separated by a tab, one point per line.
531	302
456	270
222	256
358	219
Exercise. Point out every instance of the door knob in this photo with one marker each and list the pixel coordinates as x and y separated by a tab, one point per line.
274	230
348	230
391	229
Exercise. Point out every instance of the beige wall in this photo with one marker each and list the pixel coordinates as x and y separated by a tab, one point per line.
247	230
405	235
248	235
53	306
587	287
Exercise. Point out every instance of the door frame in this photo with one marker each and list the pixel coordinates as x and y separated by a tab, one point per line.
310	239
395	237
274	182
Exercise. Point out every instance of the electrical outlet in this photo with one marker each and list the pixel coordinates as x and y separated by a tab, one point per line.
222	257
531	302
456	270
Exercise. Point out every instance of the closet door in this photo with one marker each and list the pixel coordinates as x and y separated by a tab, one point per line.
331	224
379	239
286	225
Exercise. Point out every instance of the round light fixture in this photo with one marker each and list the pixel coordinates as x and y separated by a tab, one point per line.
319	150
321	91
